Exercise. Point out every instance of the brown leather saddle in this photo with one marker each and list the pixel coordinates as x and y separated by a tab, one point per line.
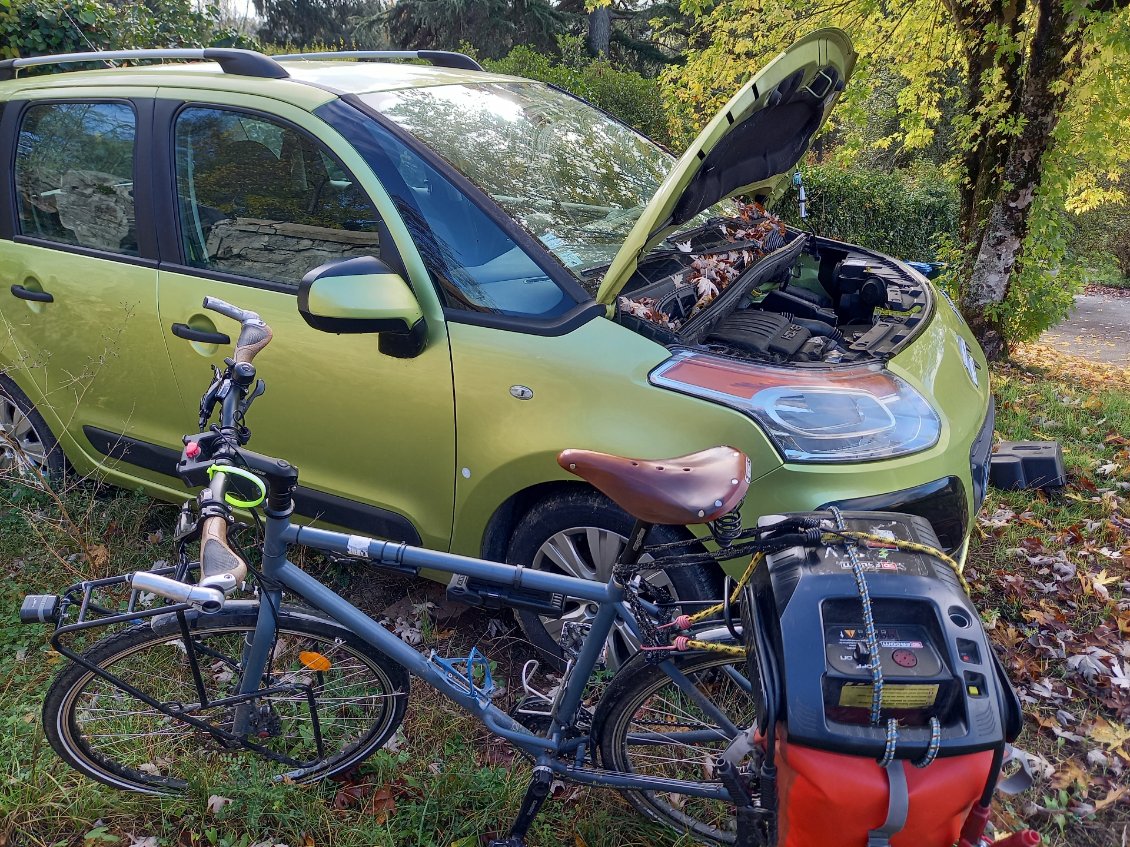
693	489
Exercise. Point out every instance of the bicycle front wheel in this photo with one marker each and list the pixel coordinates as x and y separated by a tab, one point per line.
335	701
649	726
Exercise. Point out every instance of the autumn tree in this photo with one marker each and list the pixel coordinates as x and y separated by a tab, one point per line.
301	23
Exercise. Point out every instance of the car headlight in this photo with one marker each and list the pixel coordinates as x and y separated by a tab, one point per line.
845	414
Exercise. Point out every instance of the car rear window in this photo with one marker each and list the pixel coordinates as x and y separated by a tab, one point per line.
74	175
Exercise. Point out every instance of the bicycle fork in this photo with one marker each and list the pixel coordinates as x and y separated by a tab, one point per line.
256	656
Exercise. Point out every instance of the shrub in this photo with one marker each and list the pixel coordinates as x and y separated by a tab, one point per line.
37	27
902	213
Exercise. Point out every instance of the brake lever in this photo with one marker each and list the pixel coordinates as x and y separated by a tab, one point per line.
210	398
257	391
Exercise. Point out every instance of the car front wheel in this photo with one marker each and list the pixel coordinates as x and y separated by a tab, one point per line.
582	533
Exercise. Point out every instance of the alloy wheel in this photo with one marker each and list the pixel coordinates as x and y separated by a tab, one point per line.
590	552
22	451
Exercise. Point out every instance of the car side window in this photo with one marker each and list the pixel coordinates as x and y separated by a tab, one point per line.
74	175
259	198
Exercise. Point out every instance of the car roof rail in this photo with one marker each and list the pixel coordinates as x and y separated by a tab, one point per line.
439	58
230	60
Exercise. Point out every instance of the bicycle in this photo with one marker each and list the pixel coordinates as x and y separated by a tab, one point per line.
313	690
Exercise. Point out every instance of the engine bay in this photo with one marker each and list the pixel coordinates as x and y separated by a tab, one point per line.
752	288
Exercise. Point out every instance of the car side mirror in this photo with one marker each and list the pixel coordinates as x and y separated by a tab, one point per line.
364	295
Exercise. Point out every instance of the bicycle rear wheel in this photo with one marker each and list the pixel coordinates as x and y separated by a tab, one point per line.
649	726
337	690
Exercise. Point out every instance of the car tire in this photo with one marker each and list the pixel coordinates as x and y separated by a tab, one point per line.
29	450
581	533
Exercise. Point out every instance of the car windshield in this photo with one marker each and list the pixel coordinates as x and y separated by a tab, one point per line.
571	175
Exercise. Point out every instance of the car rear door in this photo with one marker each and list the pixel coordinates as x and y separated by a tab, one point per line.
257	200
78	264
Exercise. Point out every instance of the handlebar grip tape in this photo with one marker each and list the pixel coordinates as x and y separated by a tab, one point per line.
252	339
220	567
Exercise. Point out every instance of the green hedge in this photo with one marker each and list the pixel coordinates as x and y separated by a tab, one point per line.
897	212
37	27
627	95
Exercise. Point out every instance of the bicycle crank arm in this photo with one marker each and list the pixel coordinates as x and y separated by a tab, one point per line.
207	600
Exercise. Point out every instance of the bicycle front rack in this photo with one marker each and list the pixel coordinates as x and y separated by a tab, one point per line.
95	604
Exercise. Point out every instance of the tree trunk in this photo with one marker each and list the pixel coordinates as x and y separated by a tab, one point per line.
600	31
1052	62
987	66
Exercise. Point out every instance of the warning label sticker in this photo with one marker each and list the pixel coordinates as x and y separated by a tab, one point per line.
857	695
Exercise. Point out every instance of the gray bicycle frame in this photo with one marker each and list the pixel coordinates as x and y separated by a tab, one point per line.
547	750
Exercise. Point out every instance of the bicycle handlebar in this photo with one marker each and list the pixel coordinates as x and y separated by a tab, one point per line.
226	309
220	566
208	600
254	334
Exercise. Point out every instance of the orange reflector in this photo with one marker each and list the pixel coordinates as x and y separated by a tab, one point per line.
314	661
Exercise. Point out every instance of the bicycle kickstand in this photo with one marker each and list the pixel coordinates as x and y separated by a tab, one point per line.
535	798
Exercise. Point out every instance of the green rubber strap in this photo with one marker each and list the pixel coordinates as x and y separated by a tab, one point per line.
234	471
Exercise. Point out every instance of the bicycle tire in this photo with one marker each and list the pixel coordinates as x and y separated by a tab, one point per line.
157	754
643	688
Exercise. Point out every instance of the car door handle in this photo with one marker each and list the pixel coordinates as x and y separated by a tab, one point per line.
28	294
203	336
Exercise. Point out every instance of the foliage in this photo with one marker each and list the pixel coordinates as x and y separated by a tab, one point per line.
625	94
903	213
492	27
302	23
35	27
1051	578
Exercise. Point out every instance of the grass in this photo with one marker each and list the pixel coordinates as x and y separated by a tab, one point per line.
447	782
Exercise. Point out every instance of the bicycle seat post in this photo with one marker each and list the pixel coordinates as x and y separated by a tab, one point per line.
633	550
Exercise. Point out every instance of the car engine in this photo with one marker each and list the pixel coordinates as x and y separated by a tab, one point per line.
751	287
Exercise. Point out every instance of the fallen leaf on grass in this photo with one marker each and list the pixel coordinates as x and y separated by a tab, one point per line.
216	803
99	555
498	753
1070	773
1111	736
381	805
1112	796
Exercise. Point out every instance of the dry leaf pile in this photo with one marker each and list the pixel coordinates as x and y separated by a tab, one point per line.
711	272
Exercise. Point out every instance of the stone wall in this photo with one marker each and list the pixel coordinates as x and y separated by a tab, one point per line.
279	251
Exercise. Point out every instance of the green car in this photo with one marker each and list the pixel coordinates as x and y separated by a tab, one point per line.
575	286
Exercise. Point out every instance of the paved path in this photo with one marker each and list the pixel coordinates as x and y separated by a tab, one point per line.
1098	328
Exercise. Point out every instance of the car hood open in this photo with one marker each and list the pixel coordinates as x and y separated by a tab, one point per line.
750	147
